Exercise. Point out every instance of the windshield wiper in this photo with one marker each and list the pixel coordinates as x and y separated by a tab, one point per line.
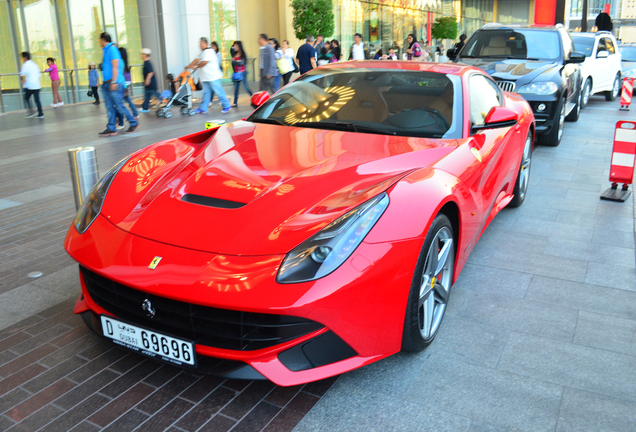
268	121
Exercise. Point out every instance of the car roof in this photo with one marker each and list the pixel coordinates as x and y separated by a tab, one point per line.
498	26
444	68
591	35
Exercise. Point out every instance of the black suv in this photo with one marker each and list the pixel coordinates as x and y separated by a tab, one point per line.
539	63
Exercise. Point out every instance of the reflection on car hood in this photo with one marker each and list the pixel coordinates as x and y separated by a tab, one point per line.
520	70
285	183
627	65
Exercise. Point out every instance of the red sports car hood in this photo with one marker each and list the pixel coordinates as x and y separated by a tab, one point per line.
257	189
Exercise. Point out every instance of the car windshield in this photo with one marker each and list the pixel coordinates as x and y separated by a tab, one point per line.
514	44
390	102
583	44
628	53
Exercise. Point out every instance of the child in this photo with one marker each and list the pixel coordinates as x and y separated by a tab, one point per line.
55	82
93	81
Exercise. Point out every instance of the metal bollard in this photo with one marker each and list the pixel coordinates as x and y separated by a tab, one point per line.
84	172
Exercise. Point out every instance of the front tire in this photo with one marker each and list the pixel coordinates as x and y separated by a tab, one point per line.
521	186
430	287
553	138
587	92
616	89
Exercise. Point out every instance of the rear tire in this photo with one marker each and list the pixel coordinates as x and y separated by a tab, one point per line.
523	178
430	287
587	92
553	138
616	89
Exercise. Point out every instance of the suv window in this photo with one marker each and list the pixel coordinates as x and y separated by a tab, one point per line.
610	46
584	44
601	45
567	43
484	94
517	43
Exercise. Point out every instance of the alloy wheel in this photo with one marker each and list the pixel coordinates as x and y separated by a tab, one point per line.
436	283
616	88
586	93
561	121
525	166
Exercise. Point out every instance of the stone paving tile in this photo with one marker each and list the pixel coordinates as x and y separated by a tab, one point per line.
206	409
600	414
127	422
218	424
606	333
120	405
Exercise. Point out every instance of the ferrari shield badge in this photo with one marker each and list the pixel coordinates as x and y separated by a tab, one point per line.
154	263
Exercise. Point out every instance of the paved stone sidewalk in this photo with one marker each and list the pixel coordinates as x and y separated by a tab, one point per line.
539	332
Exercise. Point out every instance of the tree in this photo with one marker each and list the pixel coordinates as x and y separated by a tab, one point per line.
312	17
444	28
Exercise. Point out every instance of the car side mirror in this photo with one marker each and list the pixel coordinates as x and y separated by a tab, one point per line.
602	54
498	117
259	99
576	57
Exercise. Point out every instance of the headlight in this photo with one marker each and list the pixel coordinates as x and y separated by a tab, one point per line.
629	73
330	247
544	88
92	204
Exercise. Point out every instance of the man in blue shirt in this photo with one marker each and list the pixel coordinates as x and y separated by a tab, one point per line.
113	86
306	56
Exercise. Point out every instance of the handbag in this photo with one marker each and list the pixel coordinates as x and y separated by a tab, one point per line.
237	76
89	93
283	65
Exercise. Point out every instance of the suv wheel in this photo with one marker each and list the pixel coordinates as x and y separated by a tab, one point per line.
553	138
587	92
616	88
574	114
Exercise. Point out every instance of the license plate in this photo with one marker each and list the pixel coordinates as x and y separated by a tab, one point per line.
150	343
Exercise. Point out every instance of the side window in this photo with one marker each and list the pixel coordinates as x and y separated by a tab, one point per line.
484	95
601	45
610	46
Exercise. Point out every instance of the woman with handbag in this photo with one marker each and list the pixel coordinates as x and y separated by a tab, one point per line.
239	72
413	52
288	55
93	82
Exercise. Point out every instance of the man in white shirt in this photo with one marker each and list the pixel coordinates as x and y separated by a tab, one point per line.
210	77
357	50
30	73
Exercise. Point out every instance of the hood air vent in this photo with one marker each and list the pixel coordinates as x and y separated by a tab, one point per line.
211	202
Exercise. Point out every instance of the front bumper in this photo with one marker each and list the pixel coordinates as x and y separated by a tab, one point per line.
359	308
547	118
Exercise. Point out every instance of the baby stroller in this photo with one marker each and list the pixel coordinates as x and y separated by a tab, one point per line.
182	97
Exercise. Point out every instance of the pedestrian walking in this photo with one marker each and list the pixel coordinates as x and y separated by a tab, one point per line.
267	64
210	77
306	56
281	64
413	52
113	86
336	53
55	82
127	83
216	49
30	73
150	82
288	55
240	72
93	81
357	49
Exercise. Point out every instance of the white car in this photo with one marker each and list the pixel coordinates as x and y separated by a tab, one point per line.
601	70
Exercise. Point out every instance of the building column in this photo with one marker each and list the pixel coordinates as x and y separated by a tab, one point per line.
152	36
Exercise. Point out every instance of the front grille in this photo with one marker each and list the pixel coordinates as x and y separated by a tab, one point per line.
508	86
219	328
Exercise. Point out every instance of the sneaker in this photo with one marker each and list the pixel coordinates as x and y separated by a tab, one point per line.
225	110
54	105
132	129
235	106
198	111
31	115
143	110
120	127
60	104
107	132
95	103
41	116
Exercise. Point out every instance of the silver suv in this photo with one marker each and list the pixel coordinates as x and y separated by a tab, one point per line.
601	70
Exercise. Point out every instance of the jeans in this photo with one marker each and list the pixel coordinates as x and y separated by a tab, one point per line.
36	96
147	95
213	87
114	106
120	119
95	93
277	82
237	85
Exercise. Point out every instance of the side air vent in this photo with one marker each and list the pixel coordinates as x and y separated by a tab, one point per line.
211	202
